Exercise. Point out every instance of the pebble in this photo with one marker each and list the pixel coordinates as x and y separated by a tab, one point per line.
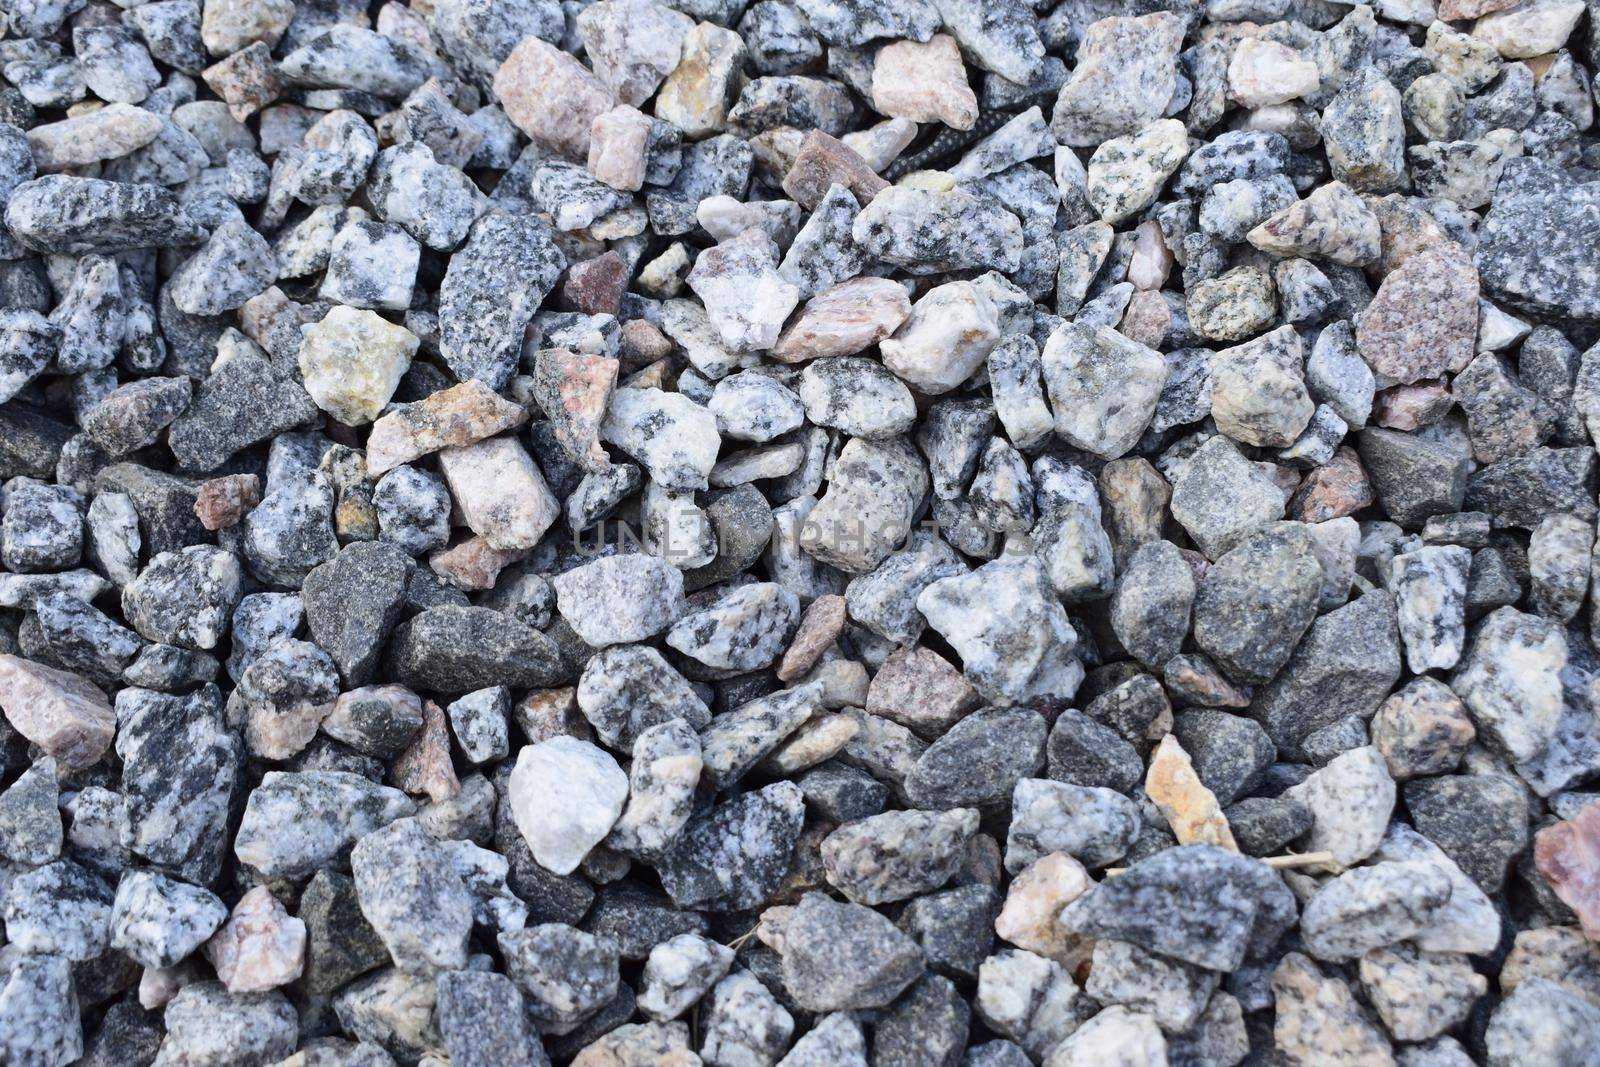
1103	387
924	82
566	795
619	599
260	947
896	855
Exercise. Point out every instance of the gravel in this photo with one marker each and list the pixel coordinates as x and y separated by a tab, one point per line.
799	533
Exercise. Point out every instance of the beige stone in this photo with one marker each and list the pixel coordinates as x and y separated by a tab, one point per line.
924	82
1191	810
352	361
109	132
1031	916
229	25
819	739
460	415
699	92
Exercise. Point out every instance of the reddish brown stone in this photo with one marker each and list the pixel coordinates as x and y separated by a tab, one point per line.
824	161
222	502
642	344
819	628
425	767
920	690
1568	855
1410	407
63	714
1337	488
595	286
1147	320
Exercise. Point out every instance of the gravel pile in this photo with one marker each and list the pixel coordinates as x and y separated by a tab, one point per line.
810	533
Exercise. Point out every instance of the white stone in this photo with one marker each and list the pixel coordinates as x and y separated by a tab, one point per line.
951	331
500	493
1116	1037
1263	72
1351	800
565	796
1532	29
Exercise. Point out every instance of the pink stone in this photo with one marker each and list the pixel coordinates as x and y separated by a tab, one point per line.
62	713
425	767
158	985
248	80
924	83
473	564
260	947
573	388
1151	262
1568	855
222	502
844	319
550	96
1424	319
819	627
920	690
618	140
824	161
459	415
